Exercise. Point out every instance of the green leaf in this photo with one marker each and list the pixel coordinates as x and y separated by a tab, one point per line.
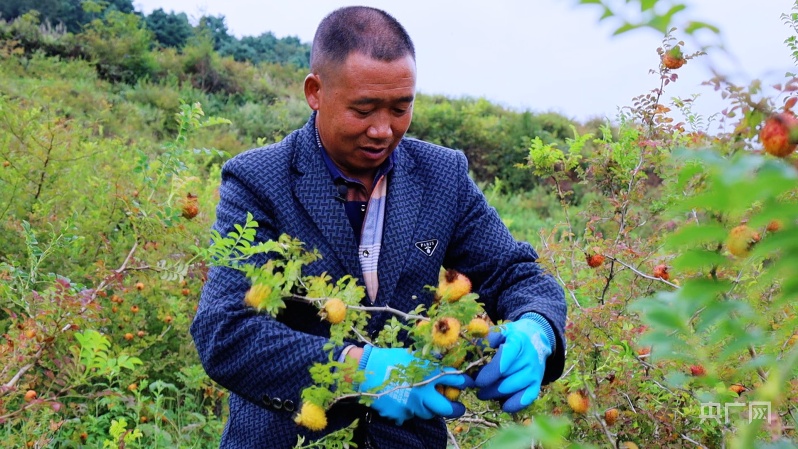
697	260
625	27
665	317
693	235
693	26
645	5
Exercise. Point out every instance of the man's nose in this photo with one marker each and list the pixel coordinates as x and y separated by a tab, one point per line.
380	128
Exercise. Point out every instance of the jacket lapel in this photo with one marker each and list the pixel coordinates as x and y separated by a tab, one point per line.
402	209
315	190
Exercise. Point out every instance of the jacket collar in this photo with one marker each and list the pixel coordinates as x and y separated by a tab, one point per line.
315	190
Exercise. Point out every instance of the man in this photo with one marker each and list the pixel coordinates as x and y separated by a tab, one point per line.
390	211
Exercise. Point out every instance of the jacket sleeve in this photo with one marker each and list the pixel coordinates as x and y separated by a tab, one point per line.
504	271
250	353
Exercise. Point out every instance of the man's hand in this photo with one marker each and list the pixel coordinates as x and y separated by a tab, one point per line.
516	370
401	401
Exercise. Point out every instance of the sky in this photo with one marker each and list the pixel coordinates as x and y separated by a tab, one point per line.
542	55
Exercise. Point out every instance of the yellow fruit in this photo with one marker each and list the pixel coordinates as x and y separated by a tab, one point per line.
335	310
793	339
256	294
451	393
578	402
611	416
445	332
628	445
311	416
478	327
741	239
128	336
133	387
452	285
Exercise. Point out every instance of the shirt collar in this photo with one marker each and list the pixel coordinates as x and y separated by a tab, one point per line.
336	173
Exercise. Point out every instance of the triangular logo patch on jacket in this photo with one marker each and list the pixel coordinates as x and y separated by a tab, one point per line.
427	246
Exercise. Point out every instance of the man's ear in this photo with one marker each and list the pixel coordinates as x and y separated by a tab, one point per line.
312	89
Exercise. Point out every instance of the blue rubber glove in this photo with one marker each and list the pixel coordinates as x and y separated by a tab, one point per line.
402	404
516	370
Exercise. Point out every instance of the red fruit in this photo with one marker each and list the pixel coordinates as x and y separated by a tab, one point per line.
776	134
661	272
185	292
673	59
697	370
128	336
594	260
139	286
134	309
737	388
190	206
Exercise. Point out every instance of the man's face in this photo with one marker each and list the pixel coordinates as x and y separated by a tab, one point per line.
364	108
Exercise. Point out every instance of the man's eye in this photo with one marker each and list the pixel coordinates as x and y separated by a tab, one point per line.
362	111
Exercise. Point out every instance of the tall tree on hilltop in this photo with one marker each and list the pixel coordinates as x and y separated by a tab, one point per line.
170	30
69	12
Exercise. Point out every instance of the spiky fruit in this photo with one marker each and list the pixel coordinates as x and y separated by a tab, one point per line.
578	402
451	393
594	260
311	416
334	310
778	134
190	206
611	416
673	58
256	294
697	370
478	327
452	285
738	388
30	395
445	332
775	225
661	272
741	239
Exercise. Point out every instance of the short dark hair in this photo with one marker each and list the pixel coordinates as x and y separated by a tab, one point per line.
361	29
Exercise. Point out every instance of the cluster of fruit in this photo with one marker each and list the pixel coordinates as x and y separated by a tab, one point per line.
441	330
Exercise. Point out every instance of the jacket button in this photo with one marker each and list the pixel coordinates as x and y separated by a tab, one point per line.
267	401
288	405
277	403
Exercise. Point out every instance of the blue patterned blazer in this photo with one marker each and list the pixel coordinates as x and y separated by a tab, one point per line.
264	361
